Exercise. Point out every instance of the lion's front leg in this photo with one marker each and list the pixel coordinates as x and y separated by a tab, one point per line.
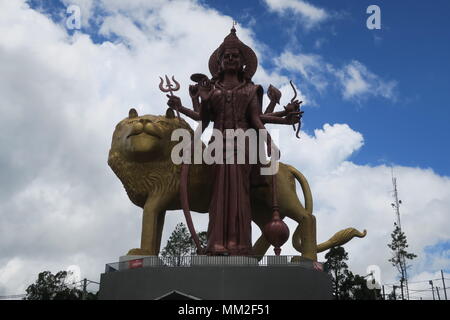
152	225
149	237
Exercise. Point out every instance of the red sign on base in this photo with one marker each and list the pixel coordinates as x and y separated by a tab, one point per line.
133	264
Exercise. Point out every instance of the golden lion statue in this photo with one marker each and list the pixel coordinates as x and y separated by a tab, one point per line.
140	156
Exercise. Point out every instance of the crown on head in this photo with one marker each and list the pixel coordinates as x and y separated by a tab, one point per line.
232	41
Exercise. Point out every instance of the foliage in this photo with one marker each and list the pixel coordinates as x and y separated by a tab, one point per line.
338	268
346	285
181	244
398	246
360	291
50	286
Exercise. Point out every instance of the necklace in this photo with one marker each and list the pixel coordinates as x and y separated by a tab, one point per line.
230	86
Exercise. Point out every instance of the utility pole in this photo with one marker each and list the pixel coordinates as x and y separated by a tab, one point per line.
395	294
401	286
384	295
398	202
396	206
439	296
84	289
443	284
432	288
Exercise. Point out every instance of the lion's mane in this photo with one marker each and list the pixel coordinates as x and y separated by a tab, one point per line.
142	179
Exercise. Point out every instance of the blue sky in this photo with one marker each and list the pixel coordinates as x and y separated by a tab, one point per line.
373	98
412	49
441	249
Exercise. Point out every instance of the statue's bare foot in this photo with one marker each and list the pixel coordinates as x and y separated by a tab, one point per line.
139	252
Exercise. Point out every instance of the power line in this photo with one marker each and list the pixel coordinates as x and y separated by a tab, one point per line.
13	296
427	290
421	292
413	282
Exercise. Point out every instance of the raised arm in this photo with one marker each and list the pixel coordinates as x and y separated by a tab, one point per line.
274	95
274	119
277	114
174	102
290	115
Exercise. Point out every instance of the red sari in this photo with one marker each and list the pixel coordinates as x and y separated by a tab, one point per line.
229	229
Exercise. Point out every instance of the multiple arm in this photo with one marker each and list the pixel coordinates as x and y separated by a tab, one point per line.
291	114
175	103
278	119
274	96
200	111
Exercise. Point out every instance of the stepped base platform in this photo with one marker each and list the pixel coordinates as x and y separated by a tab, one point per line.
214	278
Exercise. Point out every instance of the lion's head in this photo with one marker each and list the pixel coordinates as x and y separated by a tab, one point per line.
140	154
146	138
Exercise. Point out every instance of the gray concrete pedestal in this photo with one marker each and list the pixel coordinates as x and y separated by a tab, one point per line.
212	281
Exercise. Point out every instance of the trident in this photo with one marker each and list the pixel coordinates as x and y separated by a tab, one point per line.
170	88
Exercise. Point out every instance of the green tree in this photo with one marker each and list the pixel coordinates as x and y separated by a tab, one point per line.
181	245
346	285
50	286
338	268
360	291
398	246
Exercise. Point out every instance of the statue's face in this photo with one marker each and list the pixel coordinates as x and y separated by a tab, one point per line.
231	60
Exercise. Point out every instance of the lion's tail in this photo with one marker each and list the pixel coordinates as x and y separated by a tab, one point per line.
305	188
339	238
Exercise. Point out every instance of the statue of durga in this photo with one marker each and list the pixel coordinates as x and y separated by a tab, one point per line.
232	101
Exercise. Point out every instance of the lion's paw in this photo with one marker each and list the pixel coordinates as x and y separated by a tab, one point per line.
138	252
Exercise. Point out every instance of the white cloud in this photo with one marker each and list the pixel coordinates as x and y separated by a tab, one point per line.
310	66
355	80
312	15
61	98
62	95
420	288
358	82
324	151
350	195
